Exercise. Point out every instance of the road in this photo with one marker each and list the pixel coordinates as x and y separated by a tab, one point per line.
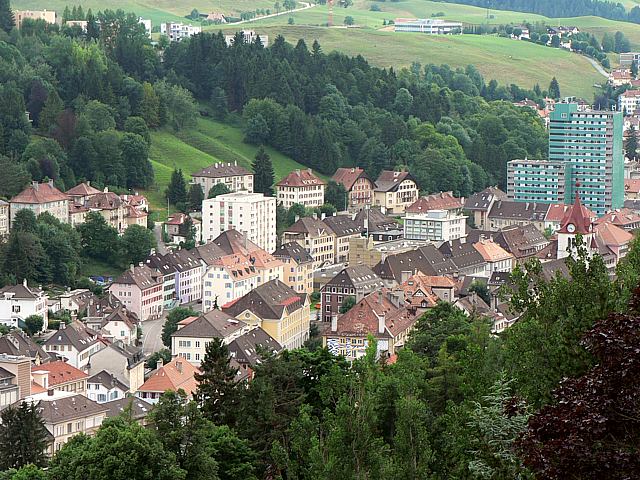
284	12
598	67
152	335
161	247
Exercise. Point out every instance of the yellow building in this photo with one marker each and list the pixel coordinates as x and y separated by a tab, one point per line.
316	237
48	16
298	267
277	309
395	191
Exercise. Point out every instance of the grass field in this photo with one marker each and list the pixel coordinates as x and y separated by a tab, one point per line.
194	149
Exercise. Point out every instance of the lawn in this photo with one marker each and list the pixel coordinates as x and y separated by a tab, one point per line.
191	150
95	268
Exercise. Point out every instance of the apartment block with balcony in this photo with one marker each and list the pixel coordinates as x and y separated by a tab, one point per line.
395	190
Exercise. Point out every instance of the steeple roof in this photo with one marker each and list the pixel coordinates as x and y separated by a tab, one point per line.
577	215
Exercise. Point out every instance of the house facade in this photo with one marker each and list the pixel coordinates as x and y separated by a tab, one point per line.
395	191
74	343
315	237
175	375
436	217
354	281
140	289
17	302
4	218
40	198
124	362
300	187
298	267
234	177
358	185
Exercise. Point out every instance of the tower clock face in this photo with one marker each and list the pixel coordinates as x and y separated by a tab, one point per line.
571	228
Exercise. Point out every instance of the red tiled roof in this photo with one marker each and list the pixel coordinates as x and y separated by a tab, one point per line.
491	251
622	217
176	374
437	201
36	388
348	176
61	372
83	189
300	178
578	216
632	185
612	235
38	193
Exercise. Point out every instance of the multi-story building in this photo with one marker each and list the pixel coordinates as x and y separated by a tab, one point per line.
436	217
344	229
479	204
276	308
61	376
17	302
178	31
431	26
302	187
252	214
629	102
104	387
40	198
124	362
15	379
18	343
175	375
248	37
589	142
181	273
354	281
48	16
140	289
120	325
194	334
298	267
234	177
4	218
496	258
358	185
627	59
316	237
541	181
395	191
179	226
506	213
74	343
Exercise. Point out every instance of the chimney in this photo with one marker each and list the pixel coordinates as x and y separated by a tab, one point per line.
63	325
88	183
297	218
24	282
297	171
334	322
50	183
380	297
323	216
359	294
132	267
315	216
179	366
50	392
35	185
160	363
382	321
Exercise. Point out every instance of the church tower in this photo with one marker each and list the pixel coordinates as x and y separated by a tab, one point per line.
576	221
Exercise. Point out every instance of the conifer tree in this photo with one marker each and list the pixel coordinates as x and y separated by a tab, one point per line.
263	174
554	88
23	437
177	190
7	20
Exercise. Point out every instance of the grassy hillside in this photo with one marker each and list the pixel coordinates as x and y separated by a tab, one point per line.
191	150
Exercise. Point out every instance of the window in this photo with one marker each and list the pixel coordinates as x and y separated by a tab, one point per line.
69	427
197	344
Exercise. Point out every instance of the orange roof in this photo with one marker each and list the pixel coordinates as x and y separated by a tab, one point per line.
175	375
133	212
621	217
187	320
491	251
612	235
36	388
61	372
83	189
38	193
300	178
632	185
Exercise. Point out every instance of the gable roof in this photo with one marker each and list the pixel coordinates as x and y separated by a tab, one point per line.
141	276
613	235
294	251
68	408
213	324
427	260
221	170
491	251
76	334
358	277
244	349
107	380
139	408
623	217
390	180
348	176
208	253
104	201
271	300
17	342
300	178
482	200
83	189
21	291
39	193
436	201
310	226
462	254
61	372
176	374
521	241
632	185
375	220
528	211
342	225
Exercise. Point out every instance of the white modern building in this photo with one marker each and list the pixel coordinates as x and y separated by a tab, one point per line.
252	214
178	31
302	187
434	226
147	25
629	102
248	36
432	26
17	302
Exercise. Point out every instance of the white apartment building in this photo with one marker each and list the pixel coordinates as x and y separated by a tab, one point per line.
18	302
248	36
300	186
178	31
629	102
4	218
431	26
235	177
434	226
252	214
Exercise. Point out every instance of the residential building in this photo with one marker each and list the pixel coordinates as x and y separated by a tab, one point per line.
236	178
216	17
136	408
435	218
104	387
344	230
627	59
431	26
175	375
17	343
124	362
624	218
425	291
17	302
111	207
82	192
523	242
358	185
278	309
252	214
398	268
15	379
508	213
61	376
40	198
366	251
382	314
140	289
479	205
178	31
248	37
146	23
632	188
300	187
74	343
395	190
496	258
374	223
195	333
74	301
466	259
245	350
536	181
233	267
629	102
298	267
120	325
615	240
620	76
589	142
178	227
181	272
4	218
354	281
316	237
48	16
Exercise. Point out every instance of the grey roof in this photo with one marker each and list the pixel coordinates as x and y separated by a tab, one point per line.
268	301
68	408
498	279
474	235
519	210
17	342
107	380
209	252
142	276
376	220
311	226
76	334
102	306
134	355
389	180
5	374
462	254
342	225
19	291
177	261
213	324
357	276
244	349
482	200
521	241
632	205
427	260
294	251
139	408
232	241
221	170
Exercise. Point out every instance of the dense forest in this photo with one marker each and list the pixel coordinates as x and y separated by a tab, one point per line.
561	8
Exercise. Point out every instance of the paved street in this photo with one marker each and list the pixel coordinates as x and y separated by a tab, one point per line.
152	335
157	231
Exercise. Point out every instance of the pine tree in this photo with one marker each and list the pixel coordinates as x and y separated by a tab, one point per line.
554	88
7	20
631	147
23	437
217	394
53	107
150	105
176	192
263	175
196	196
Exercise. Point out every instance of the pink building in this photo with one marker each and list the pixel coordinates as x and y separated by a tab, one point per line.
140	290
